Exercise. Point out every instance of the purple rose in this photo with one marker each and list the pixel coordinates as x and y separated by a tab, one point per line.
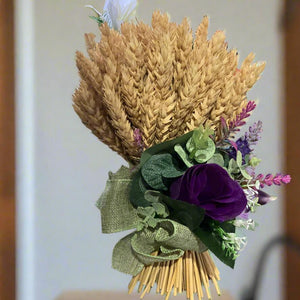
210	187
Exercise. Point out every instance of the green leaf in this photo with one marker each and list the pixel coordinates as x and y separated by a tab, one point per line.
254	162
218	159
160	209
200	145
203	155
245	174
152	196
239	159
214	244
137	191
97	19
167	146
146	211
152	222
140	226
159	167
232	167
182	212
183	155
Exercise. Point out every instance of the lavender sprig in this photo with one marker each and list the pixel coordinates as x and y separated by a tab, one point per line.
240	119
270	179
254	132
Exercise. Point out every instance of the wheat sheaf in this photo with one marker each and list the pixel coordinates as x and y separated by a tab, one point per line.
162	80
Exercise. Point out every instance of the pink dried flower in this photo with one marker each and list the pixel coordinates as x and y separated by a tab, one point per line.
270	179
286	179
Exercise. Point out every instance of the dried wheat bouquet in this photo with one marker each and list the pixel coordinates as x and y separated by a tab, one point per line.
171	102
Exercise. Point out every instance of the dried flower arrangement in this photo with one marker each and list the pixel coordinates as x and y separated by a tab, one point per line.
171	104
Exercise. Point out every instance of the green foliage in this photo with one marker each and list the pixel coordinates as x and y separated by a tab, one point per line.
158	168
150	213
165	147
239	161
200	146
137	191
213	241
182	212
97	19
218	159
183	155
236	167
254	162
154	197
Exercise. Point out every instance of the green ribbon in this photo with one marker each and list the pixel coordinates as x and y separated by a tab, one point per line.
134	251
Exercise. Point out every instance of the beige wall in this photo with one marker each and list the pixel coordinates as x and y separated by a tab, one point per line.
71	165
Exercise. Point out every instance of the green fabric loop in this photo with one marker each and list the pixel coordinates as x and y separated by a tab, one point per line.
176	235
124	259
117	212
170	238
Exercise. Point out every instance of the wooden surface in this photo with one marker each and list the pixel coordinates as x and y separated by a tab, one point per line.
7	153
105	295
292	115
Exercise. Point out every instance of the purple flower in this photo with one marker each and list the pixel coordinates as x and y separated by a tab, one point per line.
264	198
210	187
253	136
242	145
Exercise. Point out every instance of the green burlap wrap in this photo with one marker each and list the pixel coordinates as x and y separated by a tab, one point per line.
133	251
117	213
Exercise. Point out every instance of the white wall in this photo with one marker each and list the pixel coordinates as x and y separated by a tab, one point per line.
70	165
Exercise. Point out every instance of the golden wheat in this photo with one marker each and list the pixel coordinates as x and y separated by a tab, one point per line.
161	80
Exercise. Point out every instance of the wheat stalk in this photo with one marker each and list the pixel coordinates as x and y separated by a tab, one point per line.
162	81
190	273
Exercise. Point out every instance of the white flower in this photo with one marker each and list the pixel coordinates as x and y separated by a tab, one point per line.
252	198
115	12
247	224
233	244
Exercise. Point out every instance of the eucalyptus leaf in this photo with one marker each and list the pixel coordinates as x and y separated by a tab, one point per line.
148	211
167	146
160	210
140	226
152	222
245	174
218	159
239	159
200	146
203	155
183	155
232	166
157	168
152	196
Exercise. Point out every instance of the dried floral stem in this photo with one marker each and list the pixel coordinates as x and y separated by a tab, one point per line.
270	179
189	273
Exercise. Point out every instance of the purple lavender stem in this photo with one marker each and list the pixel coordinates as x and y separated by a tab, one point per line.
270	179
253	135
240	119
